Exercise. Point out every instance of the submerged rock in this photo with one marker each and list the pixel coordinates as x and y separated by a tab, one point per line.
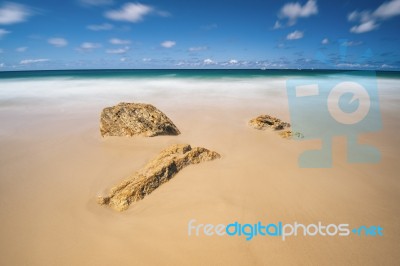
158	171
130	119
266	121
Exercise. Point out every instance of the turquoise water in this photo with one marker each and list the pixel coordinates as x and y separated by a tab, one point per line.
181	73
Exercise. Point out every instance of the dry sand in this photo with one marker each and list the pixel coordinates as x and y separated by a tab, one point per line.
53	164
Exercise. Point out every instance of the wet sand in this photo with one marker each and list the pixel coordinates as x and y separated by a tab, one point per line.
53	165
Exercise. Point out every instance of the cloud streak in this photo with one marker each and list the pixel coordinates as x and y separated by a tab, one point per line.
100	27
351	43
277	25
58	42
117	41
88	46
31	61
96	2
118	51
3	32
197	48
21	49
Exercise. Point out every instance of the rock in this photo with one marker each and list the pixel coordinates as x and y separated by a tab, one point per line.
288	134
158	171
266	121
131	119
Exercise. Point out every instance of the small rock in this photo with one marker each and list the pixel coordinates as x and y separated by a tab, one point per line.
286	134
266	121
130	119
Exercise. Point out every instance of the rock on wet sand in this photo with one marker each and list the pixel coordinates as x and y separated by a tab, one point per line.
130	119
158	171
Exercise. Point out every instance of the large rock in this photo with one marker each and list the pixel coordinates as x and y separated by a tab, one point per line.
158	171
130	119
266	121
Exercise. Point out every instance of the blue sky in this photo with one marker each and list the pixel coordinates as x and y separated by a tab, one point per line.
80	34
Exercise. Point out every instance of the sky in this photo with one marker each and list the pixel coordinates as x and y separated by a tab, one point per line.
271	34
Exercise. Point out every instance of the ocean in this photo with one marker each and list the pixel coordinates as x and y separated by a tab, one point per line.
172	86
180	73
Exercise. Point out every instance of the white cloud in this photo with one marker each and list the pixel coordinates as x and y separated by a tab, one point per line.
58	42
295	35
208	61
348	65
168	44
388	9
233	61
88	46
146	59
277	25
21	49
96	2
3	32
197	48
357	65
119	41
353	16
387	66
325	41
131	12
362	16
118	51
364	27
11	13
104	26
293	11
368	21
30	61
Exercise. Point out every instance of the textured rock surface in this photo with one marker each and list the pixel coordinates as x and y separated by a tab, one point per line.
158	171
267	121
130	119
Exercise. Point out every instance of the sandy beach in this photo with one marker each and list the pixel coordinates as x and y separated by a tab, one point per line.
54	164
